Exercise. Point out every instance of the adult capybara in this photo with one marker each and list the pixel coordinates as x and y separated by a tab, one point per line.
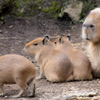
91	32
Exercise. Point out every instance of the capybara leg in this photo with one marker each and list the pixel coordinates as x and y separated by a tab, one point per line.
1	89
23	86
70	78
32	85
41	74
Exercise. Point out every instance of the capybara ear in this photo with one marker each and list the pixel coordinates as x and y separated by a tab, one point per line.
44	41
61	40
68	37
47	36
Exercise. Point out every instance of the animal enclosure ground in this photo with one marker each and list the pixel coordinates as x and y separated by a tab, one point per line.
16	32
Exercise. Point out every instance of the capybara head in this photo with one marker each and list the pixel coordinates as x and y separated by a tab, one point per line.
62	41
37	44
91	26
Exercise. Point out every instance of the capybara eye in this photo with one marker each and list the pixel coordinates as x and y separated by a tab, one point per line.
91	26
35	44
84	25
55	42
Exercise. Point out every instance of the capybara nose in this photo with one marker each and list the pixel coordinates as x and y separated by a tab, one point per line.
87	38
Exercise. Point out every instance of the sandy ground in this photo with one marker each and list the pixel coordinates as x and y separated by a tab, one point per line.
16	32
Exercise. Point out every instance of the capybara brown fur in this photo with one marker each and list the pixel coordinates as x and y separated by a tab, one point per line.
54	64
91	33
16	69
80	63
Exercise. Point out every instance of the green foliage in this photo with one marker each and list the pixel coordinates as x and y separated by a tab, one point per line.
21	8
87	6
46	10
81	21
18	3
1	18
40	1
52	10
54	3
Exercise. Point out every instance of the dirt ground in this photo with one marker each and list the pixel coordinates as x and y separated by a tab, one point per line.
16	32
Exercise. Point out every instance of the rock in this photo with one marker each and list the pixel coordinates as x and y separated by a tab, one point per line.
73	8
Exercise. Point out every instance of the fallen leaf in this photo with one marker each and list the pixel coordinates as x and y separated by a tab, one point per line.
10	26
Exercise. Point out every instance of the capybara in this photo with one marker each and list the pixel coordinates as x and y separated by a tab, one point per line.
91	33
81	64
16	69
54	64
